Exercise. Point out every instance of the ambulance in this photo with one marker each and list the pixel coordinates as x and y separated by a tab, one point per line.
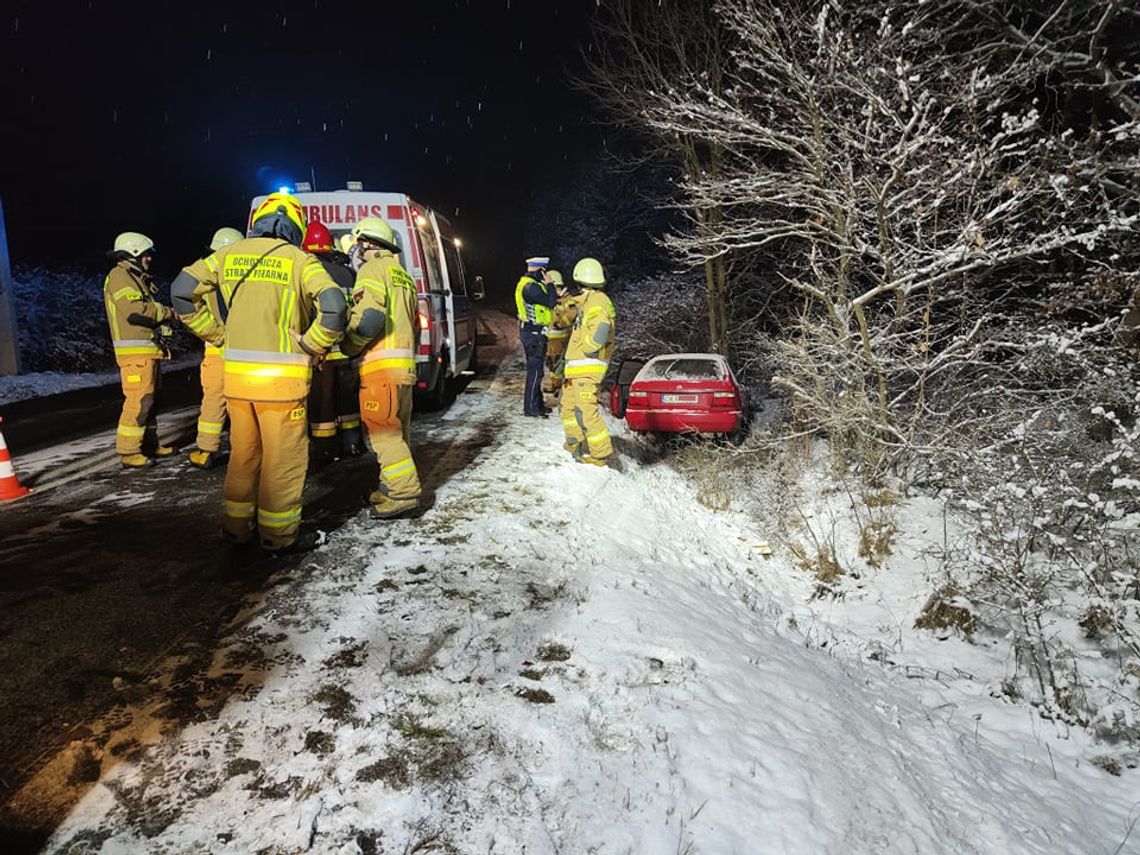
430	252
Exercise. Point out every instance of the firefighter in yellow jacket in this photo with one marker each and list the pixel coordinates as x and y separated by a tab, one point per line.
587	358
381	328
282	311
136	319
558	333
212	413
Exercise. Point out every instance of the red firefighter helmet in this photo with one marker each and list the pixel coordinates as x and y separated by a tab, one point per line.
317	238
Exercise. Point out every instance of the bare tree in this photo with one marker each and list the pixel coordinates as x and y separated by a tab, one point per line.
640	52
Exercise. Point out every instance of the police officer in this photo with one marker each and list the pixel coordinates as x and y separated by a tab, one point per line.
534	299
212	413
136	320
381	329
282	311
587	358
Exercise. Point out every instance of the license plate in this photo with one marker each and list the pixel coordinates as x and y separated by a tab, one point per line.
679	399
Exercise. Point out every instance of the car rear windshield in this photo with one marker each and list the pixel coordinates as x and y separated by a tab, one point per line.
685	368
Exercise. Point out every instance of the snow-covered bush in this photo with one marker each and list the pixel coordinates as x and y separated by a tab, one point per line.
1052	490
61	321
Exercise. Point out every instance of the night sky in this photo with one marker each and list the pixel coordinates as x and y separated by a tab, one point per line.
166	118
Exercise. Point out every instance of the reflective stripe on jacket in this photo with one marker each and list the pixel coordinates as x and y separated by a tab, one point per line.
534	313
133	313
592	340
280	287
384	287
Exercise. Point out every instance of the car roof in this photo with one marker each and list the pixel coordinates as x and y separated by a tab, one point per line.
715	356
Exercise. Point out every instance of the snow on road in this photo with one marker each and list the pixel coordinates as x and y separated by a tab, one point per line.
554	658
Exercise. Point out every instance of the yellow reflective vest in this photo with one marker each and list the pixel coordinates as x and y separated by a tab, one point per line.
383	286
592	339
132	313
279	288
533	312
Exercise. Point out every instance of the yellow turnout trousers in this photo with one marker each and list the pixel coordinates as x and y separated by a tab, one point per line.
269	453
212	415
138	427
555	350
586	432
387	414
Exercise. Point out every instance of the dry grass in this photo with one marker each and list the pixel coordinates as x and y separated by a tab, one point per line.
942	613
875	540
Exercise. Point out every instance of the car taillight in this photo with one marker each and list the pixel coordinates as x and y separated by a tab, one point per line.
639	399
725	399
423	322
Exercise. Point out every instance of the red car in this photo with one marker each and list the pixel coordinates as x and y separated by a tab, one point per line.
680	393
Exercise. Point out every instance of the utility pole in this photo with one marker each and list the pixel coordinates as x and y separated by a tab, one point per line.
9	342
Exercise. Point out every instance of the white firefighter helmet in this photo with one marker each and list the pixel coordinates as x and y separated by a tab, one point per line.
224	237
133	244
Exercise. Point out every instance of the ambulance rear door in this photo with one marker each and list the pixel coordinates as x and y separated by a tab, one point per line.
460	311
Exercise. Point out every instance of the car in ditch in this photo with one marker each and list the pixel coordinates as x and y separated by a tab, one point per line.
680	393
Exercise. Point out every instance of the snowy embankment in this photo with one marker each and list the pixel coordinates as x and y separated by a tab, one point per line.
555	658
41	384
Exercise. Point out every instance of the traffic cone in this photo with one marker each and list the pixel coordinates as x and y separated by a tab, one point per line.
9	484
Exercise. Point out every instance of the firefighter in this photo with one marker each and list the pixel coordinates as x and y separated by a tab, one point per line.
137	322
212	413
587	358
381	328
534	299
562	322
334	406
282	312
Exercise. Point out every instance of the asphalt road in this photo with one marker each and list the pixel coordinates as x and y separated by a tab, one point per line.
112	573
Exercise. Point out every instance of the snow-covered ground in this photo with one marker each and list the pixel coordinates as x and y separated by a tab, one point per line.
559	659
40	384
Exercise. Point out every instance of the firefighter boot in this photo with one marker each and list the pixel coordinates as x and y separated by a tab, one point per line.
351	442
323	450
611	462
390	507
200	459
306	541
136	461
164	451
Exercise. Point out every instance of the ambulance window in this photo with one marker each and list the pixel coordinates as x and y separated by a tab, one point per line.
431	257
454	267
